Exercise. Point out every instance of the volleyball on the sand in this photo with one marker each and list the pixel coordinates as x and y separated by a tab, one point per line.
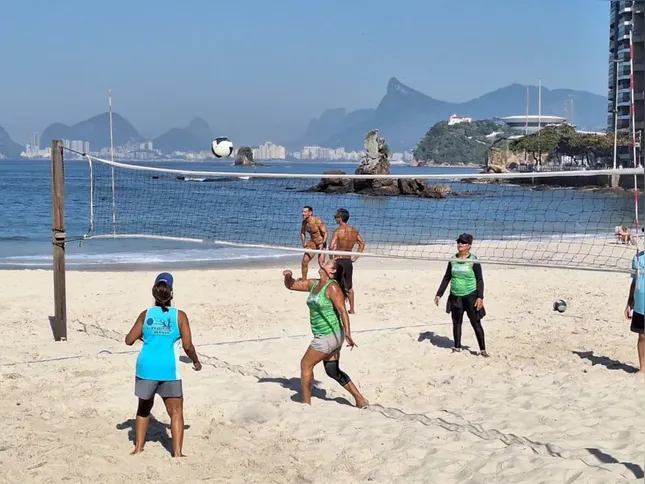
560	306
222	147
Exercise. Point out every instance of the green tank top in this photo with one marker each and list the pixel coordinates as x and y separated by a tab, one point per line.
322	314
463	280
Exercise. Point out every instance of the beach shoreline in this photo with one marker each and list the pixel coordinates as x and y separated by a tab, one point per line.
569	251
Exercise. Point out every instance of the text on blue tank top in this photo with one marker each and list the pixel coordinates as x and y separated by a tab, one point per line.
159	355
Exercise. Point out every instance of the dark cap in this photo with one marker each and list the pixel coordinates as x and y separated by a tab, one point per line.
465	239
165	277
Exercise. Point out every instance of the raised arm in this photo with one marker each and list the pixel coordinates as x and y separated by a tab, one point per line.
136	332
302	285
187	340
336	296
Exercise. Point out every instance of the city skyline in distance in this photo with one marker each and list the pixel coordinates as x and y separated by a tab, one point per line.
287	71
392	115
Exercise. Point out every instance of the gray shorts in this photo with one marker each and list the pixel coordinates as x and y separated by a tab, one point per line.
328	344
146	389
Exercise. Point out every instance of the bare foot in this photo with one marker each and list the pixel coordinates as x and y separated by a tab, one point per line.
180	455
362	403
641	372
136	451
351	311
456	350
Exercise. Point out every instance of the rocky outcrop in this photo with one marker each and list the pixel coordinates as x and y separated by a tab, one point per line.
245	157
414	163
499	160
334	185
397	186
376	162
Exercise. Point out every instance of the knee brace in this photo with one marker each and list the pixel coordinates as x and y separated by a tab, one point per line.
144	408
333	371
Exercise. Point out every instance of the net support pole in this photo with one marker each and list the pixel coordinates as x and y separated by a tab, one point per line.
59	324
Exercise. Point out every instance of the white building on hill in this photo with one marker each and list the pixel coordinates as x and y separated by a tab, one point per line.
454	119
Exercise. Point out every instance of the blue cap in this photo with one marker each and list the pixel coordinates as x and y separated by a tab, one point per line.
165	277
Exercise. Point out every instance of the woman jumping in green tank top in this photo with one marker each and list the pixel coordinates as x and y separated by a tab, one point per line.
330	326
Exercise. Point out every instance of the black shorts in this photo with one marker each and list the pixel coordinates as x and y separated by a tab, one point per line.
348	272
322	246
638	323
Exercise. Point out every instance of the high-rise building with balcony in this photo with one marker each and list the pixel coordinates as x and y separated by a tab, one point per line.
626	16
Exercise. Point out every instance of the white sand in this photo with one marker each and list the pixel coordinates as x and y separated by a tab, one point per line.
535	412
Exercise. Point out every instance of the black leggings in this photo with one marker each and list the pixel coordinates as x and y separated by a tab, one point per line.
466	304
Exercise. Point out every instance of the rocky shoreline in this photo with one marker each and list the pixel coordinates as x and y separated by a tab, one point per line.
376	162
381	187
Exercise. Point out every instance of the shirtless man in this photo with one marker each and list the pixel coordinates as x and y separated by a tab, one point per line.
317	230
344	238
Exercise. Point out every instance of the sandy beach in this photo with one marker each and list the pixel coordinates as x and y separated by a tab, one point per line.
557	401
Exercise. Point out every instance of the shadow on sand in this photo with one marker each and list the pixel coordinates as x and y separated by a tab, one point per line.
605	361
157	432
293	384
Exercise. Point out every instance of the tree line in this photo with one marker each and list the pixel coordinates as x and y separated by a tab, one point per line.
562	141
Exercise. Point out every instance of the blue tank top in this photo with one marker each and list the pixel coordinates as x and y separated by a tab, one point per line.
159	355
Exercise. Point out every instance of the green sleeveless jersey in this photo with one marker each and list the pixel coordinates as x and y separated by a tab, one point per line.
463	280
322	314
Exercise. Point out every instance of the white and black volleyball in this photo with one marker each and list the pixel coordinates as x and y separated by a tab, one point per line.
222	147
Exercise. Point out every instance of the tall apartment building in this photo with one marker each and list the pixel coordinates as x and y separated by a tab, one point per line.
626	16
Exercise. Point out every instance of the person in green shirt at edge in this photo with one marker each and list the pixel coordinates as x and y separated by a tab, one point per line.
330	326
466	293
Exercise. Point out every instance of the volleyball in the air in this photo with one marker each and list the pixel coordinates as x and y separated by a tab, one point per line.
560	306
222	147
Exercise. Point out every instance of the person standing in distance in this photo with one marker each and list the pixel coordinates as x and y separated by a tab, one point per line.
318	232
162	329
636	306
330	326
344	238
466	292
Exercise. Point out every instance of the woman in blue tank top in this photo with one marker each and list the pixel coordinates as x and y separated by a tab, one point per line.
163	330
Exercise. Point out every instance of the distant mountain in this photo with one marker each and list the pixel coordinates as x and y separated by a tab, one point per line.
404	115
197	136
96	130
8	147
331	122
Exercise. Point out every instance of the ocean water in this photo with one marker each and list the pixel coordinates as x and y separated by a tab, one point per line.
267	212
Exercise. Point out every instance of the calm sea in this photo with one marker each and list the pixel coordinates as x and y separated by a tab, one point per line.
268	212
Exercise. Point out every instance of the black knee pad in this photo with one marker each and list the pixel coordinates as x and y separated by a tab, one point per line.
144	408
333	371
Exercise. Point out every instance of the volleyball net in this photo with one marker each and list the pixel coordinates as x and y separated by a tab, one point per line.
515	218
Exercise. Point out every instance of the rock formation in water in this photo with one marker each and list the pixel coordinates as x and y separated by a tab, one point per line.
245	157
376	162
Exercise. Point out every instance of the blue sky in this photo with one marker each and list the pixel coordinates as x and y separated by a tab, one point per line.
261	69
